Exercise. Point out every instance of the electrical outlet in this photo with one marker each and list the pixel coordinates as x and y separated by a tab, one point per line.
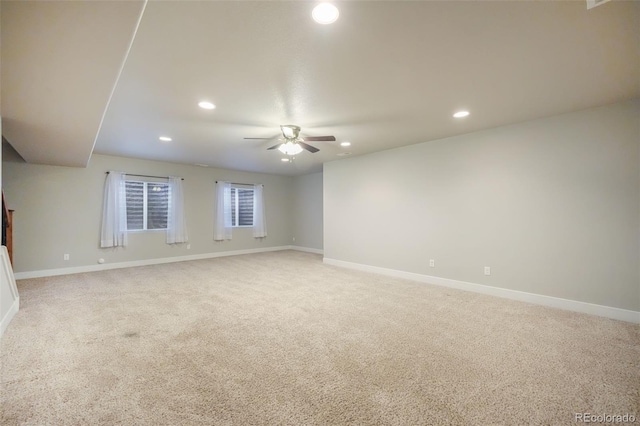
294	239
487	270
432	263
66	256
188	246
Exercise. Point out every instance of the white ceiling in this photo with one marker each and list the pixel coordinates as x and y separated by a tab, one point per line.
60	61
386	74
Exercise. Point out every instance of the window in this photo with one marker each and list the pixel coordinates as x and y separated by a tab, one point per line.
241	206
147	205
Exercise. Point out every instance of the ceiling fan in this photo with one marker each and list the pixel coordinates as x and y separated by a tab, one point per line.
293	144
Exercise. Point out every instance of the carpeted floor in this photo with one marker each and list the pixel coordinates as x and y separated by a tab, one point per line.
280	338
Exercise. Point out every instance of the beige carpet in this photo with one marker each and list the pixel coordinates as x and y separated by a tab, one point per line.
280	338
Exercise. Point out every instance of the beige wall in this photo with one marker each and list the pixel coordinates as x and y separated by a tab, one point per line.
58	210
552	206
307	211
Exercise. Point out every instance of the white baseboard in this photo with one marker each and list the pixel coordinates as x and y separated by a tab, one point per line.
307	249
537	299
145	262
9	290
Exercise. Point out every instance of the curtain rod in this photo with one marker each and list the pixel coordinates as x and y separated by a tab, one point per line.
240	183
149	176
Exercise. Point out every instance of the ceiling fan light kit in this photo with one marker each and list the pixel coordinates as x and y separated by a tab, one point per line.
290	148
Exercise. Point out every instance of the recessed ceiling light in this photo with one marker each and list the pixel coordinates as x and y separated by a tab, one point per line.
325	13
165	138
285	160
345	143
461	114
206	105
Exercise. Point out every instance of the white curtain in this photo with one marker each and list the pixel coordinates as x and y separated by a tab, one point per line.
176	221
259	218
114	211
222	226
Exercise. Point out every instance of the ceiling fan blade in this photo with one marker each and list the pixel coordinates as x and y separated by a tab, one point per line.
274	147
311	149
319	138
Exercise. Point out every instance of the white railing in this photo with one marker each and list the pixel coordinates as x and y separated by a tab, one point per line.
9	297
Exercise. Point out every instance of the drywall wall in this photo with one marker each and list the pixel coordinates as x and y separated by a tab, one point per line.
551	205
307	211
58	210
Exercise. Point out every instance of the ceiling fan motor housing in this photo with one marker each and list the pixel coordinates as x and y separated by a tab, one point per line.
290	131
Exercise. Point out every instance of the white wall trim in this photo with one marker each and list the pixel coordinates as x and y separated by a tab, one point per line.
8	279
9	316
537	299
307	249
145	262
